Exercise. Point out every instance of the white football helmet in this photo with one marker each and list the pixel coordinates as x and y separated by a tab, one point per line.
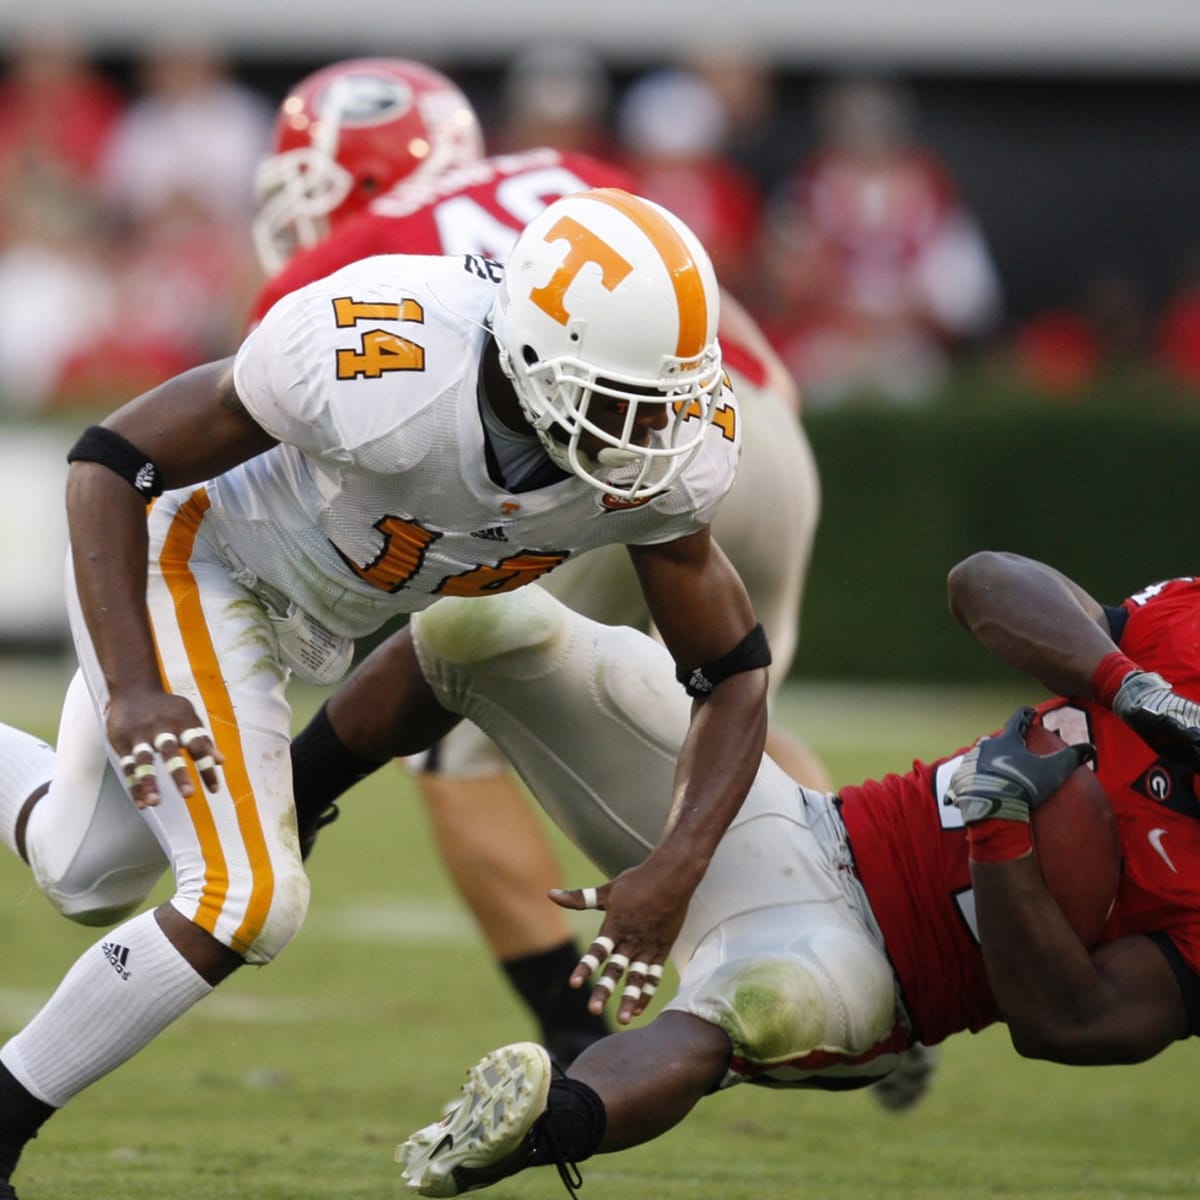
606	324
348	133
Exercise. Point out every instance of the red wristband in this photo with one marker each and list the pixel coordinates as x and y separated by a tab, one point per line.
996	840
1109	673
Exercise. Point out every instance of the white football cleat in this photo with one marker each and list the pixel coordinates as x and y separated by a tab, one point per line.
486	1136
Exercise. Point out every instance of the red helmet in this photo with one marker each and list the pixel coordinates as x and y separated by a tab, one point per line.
348	133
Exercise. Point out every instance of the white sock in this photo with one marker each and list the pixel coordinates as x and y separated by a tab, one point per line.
118	996
26	763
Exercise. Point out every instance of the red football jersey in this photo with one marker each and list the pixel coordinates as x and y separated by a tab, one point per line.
475	209
911	849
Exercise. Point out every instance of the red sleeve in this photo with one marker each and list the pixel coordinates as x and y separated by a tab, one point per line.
596	173
357	238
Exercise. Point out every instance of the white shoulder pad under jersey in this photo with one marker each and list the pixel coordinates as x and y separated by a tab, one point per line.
311	372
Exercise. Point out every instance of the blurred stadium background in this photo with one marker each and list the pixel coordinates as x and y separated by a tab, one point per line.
998	334
1042	393
1054	345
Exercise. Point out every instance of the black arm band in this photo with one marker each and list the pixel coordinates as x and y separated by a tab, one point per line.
749	654
111	450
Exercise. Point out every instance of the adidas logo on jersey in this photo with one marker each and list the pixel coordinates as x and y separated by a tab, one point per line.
494	533
117	956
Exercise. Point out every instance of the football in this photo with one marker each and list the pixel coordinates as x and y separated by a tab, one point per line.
1076	844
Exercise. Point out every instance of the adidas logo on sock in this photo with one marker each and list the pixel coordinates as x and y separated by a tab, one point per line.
117	956
494	533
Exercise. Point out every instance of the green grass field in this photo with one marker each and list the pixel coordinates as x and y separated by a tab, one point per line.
297	1081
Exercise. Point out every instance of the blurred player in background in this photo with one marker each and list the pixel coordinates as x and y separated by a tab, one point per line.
384	156
386	437
832	931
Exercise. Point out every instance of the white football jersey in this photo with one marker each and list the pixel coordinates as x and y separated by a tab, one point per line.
378	499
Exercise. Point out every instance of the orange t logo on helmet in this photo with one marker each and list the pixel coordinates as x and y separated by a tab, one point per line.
585	247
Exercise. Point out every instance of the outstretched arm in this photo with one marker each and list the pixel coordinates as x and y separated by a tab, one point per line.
190	428
702	611
1042	623
1032	617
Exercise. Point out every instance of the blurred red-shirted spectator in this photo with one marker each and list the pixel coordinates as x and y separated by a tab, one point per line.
1063	352
673	127
1176	338
879	271
57	110
178	180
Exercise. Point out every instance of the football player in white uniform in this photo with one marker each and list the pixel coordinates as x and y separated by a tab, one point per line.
407	429
344	182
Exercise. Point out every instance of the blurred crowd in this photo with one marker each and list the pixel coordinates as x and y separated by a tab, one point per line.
125	206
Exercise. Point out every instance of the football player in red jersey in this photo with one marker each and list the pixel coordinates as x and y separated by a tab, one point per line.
343	184
829	932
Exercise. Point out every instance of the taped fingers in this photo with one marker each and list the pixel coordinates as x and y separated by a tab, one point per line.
640	985
613	971
643	980
204	756
599	950
654	974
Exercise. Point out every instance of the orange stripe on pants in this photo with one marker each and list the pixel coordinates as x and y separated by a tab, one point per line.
206	670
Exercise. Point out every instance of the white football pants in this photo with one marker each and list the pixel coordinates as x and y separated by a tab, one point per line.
780	948
235	854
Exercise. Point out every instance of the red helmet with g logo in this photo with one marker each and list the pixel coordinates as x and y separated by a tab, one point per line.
348	133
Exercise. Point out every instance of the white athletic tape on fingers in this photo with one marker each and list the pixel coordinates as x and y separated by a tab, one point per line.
128	762
649	988
655	971
142	748
163	739
638	968
206	763
632	992
590	899
190	735
607	982
178	763
606	944
620	961
590	961
142	771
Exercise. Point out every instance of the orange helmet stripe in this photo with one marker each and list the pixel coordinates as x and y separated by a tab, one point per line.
680	263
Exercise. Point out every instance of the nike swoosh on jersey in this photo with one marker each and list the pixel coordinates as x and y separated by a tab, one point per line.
1155	837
